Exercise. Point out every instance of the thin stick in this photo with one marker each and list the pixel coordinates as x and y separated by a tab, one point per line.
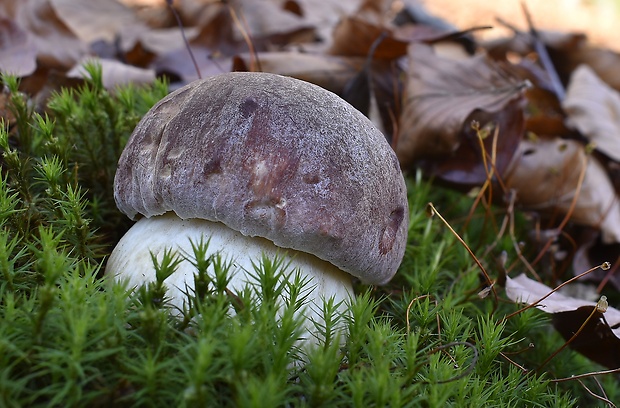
543	55
409	309
484	272
520	367
585	375
254	61
180	24
598	397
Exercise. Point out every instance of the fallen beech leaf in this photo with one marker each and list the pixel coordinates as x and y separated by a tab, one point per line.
545	174
226	26
593	107
331	72
440	95
95	20
216	33
355	37
115	73
387	89
567	52
45	83
417	24
544	115
199	13
464	167
178	66
593	252
522	289
56	45
324	17
18	54
599	340
264	19
158	41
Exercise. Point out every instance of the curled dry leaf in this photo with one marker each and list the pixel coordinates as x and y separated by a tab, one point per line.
599	339
545	174
441	94
593	107
18	54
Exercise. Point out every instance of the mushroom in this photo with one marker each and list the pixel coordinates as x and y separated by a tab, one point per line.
261	164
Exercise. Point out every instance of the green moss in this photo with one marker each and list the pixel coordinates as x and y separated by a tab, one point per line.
70	337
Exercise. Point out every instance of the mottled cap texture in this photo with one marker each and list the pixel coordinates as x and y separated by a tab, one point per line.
274	157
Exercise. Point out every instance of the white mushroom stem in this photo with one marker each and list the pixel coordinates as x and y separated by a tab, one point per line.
131	260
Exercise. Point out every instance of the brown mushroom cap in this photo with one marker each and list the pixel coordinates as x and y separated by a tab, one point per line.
274	157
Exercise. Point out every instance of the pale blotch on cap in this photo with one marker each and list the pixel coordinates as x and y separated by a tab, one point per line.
274	157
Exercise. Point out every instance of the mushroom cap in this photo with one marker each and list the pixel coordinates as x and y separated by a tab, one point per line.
273	157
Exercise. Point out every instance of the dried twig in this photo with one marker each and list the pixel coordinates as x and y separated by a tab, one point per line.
543	55
180	24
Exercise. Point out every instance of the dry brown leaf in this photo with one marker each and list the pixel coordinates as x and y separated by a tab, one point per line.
522	289
593	107
355	37
464	167
441	94
178	66
56	45
544	115
18	54
325	17
545	174
593	252
157	41
95	20
567	50
114	73
599	339
216	34
198	13
264	19
328	71
136	3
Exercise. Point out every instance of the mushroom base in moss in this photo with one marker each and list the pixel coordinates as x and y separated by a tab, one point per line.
131	260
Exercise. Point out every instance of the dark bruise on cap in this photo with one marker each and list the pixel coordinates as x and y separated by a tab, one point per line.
274	157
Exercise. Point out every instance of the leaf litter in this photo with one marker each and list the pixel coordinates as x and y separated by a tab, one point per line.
468	112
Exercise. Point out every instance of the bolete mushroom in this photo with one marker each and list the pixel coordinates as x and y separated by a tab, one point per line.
261	164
